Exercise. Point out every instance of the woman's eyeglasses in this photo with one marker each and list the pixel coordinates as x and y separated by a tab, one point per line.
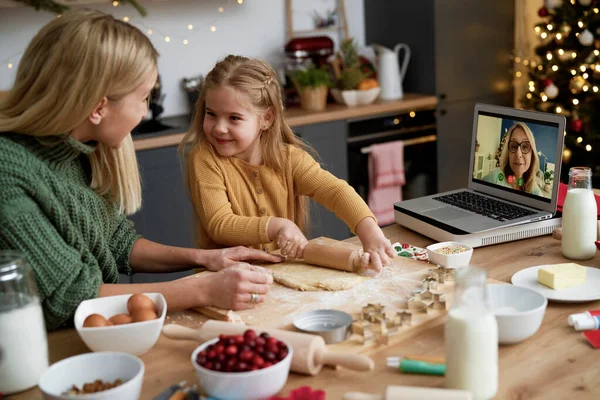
514	146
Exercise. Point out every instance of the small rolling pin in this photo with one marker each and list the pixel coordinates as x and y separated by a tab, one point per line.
332	257
310	351
412	393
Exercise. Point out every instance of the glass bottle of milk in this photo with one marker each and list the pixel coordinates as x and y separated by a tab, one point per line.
471	337
23	342
579	216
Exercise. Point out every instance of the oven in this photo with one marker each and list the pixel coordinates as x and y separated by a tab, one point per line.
418	131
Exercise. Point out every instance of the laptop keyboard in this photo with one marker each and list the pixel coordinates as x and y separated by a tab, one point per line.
485	206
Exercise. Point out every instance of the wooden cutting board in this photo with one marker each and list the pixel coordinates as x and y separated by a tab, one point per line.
391	288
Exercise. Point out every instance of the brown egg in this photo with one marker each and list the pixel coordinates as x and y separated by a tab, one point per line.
140	301
120	319
95	320
143	315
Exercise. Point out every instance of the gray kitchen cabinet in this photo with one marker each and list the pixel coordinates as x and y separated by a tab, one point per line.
460	51
329	140
166	216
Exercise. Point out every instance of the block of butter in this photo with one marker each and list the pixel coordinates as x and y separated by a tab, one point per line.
562	276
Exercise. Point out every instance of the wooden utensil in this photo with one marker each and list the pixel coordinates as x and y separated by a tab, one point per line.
332	257
310	351
412	393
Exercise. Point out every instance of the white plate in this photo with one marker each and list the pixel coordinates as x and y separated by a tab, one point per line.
589	291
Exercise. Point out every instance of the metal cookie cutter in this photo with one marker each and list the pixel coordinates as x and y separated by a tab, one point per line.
332	325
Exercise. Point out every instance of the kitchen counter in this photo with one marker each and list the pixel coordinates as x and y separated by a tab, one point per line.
295	117
555	363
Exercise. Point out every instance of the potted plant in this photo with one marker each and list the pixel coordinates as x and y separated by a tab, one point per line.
548	179
312	84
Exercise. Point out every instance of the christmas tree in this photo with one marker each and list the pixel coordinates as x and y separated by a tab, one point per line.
565	78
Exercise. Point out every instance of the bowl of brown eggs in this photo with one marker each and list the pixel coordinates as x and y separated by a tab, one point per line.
126	323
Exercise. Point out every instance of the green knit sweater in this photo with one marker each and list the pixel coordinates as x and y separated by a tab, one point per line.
73	238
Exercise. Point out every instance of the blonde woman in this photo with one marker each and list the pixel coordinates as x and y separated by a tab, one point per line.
519	162
69	175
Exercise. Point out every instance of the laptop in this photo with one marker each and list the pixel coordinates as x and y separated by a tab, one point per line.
513	177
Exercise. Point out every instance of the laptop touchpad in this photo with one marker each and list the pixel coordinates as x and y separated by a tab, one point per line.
445	214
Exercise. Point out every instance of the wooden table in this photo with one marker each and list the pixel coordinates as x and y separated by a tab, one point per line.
556	363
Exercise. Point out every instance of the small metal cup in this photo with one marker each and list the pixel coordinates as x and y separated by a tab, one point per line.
332	325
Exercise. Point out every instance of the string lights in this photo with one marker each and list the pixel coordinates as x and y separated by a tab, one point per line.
151	31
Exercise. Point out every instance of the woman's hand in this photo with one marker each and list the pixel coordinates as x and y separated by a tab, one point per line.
378	249
238	287
288	236
216	260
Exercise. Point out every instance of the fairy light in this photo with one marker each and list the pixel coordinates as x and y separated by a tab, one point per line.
518	60
586	88
214	28
573	55
529	95
538	29
588	147
149	31
518	74
575	101
412	114
549	56
167	39
579	139
240	1
532	88
526	62
550	27
544	97
555	68
596	11
531	83
573	72
560	51
595	89
580	24
544	35
126	19
586	75
558	36
115	3
190	27
582	68
221	9
396	121
10	65
540	67
185	42
597	53
558	109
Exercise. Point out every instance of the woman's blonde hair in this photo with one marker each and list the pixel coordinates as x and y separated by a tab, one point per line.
530	177
257	80
67	69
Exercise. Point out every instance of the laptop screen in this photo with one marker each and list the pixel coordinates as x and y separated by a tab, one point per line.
516	155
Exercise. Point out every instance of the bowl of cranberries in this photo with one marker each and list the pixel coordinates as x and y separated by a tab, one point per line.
242	367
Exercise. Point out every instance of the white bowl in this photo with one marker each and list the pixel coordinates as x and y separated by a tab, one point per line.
519	311
457	260
250	385
353	98
134	338
86	368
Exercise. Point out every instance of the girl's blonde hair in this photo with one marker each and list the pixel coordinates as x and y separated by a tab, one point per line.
530	177
67	69
257	80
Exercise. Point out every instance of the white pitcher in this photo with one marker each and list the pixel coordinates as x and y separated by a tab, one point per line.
389	73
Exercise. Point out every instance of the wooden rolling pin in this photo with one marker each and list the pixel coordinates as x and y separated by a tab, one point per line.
332	257
412	393
310	351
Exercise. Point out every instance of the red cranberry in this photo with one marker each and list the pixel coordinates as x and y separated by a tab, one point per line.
246	355
281	345
267	364
270	356
264	335
258	361
272	348
249	335
254	368
201	359
221	358
272	340
244	347
251	343
209	347
211	354
219	348
260	349
231	350
281	354
260	341
218	366
242	367
231	363
208	365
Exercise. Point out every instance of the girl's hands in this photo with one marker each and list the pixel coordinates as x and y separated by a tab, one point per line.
239	287
288	236
216	260
378	249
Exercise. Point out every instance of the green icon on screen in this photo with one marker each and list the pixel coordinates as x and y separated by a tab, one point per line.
520	182
500	176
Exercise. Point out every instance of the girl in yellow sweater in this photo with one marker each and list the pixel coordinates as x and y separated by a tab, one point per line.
249	175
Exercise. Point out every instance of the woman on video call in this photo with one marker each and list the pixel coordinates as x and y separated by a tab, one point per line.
519	162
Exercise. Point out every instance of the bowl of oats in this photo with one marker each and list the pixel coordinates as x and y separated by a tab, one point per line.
450	254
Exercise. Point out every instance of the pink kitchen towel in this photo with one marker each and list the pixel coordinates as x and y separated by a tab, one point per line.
386	177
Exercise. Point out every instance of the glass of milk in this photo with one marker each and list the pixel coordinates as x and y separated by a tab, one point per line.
23	342
471	337
579	221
